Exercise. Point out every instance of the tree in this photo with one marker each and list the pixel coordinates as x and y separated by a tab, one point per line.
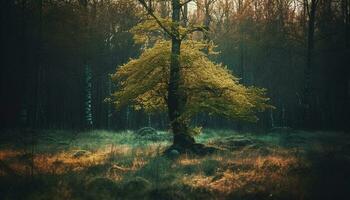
183	84
310	6
87	66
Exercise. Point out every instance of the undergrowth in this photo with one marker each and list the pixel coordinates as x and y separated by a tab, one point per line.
124	165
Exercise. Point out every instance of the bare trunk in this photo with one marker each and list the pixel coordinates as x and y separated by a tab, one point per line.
163	9
88	97
109	107
88	71
38	68
24	113
176	97
185	15
207	19
308	70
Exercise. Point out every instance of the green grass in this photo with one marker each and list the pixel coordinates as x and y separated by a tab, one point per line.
102	164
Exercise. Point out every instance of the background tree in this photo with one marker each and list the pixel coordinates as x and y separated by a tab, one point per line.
311	8
53	41
264	42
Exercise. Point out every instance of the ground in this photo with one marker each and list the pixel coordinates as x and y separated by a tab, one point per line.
282	164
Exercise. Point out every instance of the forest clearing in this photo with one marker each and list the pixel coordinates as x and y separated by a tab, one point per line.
125	165
175	99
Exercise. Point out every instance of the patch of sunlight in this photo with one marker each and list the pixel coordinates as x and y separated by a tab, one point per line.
245	174
185	161
8	153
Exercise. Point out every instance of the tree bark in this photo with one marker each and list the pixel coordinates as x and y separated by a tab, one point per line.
311	10
176	98
207	21
38	71
88	71
88	97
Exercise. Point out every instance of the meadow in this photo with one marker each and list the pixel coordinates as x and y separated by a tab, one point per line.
279	164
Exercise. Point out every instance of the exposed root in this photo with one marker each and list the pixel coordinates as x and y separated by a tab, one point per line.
196	149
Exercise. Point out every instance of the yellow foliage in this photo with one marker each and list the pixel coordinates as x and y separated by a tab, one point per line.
207	86
149	31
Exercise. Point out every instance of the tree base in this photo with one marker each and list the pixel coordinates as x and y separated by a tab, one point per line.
195	148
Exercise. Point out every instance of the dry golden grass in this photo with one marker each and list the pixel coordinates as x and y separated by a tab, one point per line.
57	163
8	153
187	160
64	161
233	171
251	174
263	169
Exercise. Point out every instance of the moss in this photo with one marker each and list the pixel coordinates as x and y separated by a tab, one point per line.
210	166
101	184
135	188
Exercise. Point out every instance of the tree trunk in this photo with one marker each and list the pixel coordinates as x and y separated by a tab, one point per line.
308	70
88	97
109	107
185	15
206	22
176	98
163	9
88	70
38	69
24	113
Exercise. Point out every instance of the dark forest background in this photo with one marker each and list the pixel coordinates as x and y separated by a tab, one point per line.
298	49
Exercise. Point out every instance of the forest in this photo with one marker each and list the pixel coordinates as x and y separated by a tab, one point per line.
175	99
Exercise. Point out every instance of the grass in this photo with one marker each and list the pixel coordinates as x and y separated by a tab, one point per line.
123	165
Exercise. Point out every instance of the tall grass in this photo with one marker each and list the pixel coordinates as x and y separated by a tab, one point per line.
124	165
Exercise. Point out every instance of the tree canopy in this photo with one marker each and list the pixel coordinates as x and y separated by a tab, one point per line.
206	86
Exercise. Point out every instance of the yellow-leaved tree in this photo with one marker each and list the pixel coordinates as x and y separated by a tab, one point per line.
205	86
176	76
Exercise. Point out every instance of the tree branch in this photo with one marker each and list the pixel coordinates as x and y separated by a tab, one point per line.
150	12
194	29
186	2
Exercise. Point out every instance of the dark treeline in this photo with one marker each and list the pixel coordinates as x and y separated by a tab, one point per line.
56	57
46	46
